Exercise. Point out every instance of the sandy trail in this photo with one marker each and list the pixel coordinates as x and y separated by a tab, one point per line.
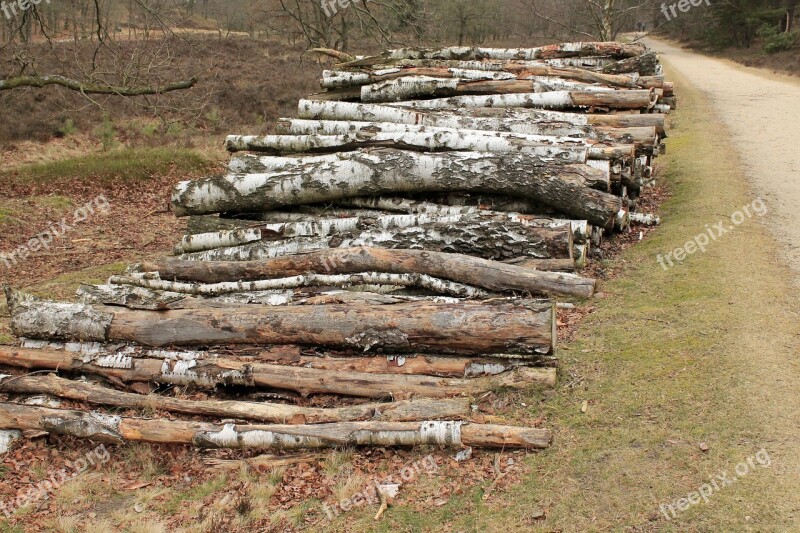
762	113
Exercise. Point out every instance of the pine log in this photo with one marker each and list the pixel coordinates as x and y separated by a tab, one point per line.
511	142
566	151
460	53
465	328
639	99
209	372
489	275
406	410
514	119
119	430
452	367
386	171
523	227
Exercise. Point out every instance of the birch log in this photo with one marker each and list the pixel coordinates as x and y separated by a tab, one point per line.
644	138
487	239
644	65
392	171
469	118
466	328
471	70
522	228
437	286
490	275
402	411
461	53
417	87
207	372
639	99
119	430
546	151
488	140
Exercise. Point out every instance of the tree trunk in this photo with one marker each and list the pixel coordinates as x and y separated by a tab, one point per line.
192	368
554	51
644	99
391	171
467	328
572	151
489	275
403	411
119	430
486	141
526	121
549	241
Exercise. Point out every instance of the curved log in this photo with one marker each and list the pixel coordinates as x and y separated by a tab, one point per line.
490	275
386	171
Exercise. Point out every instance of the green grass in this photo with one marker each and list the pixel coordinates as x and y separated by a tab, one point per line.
7	216
126	164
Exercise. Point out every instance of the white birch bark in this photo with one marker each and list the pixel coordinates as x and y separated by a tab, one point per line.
445	140
391	172
644	99
423	281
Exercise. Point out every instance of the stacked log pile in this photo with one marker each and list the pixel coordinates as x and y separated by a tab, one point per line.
399	247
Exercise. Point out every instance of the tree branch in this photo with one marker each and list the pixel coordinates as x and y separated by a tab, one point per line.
42	81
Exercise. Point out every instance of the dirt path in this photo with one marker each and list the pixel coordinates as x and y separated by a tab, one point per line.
762	113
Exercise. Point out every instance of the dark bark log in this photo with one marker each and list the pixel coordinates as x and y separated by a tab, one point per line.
466	328
490	275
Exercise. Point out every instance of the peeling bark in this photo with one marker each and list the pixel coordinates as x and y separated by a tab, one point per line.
119	430
407	410
208	372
